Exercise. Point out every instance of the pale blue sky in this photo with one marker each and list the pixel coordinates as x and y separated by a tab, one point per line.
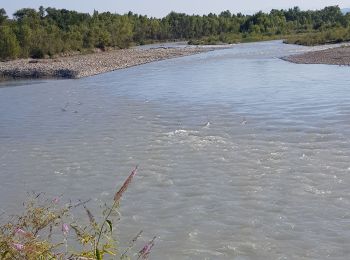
160	8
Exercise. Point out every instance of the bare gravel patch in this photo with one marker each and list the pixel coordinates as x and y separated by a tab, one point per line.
79	66
332	56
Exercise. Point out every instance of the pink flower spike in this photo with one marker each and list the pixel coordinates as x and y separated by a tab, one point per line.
56	200
145	251
65	229
20	231
18	247
125	186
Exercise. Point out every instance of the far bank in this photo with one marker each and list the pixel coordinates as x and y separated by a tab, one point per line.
79	66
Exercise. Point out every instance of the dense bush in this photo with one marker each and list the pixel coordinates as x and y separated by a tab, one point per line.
315	38
9	47
37	53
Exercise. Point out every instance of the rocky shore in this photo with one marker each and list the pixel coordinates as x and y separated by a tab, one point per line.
332	56
79	66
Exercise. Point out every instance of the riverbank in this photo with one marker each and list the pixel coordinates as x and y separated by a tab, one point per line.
331	56
79	66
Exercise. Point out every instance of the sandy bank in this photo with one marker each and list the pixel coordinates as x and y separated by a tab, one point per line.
332	56
91	64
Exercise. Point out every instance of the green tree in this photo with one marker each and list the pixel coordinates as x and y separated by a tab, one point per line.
41	12
26	12
51	31
3	16
120	30
103	39
9	47
24	36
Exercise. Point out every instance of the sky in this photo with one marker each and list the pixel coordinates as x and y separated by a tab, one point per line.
160	8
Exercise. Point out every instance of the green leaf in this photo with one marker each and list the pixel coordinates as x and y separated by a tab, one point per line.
110	225
109	252
4	254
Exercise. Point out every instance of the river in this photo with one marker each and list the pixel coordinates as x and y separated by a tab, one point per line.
241	155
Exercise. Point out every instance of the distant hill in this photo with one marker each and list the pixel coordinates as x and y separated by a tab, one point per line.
345	10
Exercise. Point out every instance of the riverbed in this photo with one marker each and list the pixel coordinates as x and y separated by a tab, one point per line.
332	56
241	155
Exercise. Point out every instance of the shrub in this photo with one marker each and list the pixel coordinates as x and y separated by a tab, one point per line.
9	47
45	231
323	37
37	53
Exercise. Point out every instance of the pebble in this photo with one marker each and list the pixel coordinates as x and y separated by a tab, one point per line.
79	66
332	56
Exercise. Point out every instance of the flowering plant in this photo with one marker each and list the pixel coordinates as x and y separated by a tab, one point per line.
45	228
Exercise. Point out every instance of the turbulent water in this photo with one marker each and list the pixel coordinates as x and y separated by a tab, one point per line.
241	155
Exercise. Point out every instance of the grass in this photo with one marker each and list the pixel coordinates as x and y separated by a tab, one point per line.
48	230
318	38
232	38
328	36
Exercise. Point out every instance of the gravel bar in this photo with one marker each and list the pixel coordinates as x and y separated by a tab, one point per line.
79	66
332	56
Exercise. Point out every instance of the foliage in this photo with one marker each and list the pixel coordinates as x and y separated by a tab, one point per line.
48	230
54	31
9	47
329	36
3	16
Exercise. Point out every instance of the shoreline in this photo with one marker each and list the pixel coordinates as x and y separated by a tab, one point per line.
331	56
85	65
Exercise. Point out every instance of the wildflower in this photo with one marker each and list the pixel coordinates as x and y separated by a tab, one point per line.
18	247
119	194
146	250
91	217
23	233
56	200
20	231
65	229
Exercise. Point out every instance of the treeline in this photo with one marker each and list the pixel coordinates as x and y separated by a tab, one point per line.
50	31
